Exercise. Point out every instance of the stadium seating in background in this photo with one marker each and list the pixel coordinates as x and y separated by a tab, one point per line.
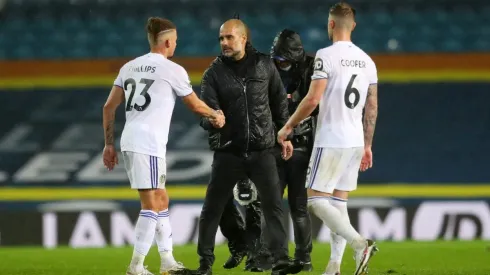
53	29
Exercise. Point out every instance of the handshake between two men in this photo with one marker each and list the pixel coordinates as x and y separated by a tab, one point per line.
218	120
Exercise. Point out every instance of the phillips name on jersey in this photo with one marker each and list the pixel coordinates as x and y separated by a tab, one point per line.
151	85
349	71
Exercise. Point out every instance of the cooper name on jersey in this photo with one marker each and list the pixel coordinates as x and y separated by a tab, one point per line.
143	69
353	63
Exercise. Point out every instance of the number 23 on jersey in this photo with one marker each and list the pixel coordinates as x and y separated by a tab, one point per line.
131	86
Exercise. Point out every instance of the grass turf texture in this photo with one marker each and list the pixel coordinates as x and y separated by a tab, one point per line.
404	258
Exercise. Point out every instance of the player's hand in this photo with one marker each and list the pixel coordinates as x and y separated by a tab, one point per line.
287	150
283	134
218	121
367	159
110	157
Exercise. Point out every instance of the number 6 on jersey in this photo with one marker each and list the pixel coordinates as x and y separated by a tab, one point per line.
349	91
144	92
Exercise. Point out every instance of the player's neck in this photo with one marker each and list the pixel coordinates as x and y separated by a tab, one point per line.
341	36
162	52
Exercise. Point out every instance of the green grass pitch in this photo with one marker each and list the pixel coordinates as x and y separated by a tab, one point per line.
403	258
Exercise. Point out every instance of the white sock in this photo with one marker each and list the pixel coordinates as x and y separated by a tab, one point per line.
337	242
145	233
164	235
331	217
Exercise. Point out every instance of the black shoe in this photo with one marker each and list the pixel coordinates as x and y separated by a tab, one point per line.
251	268
203	270
287	266
308	267
252	265
234	260
263	260
183	271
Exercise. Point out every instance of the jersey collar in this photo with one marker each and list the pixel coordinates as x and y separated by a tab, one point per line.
343	42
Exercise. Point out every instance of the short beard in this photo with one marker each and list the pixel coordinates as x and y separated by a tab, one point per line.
233	55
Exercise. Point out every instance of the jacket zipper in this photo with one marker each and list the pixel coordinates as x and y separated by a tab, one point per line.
244	85
248	119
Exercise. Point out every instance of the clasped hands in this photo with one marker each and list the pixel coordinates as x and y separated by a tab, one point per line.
218	120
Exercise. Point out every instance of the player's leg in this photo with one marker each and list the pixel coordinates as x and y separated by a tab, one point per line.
140	174
327	166
296	175
233	228
262	171
163	235
337	242
339	198
227	169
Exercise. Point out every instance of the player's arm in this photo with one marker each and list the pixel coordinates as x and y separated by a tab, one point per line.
199	107
278	98
116	97
318	86
183	88
370	115
308	83
208	96
309	103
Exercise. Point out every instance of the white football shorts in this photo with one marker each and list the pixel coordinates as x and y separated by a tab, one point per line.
334	169
145	171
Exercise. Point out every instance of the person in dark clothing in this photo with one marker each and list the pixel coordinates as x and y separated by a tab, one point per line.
245	85
295	68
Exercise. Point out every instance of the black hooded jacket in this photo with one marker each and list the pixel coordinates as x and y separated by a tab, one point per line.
255	106
287	46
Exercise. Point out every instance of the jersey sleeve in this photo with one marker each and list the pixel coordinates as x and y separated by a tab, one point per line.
181	83
322	67
119	81
373	74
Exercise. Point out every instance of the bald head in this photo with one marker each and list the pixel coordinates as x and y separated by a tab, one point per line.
233	37
234	25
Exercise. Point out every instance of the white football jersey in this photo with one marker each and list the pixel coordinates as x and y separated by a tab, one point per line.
151	84
349	71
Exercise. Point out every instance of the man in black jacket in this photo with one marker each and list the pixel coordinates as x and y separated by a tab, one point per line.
246	86
296	69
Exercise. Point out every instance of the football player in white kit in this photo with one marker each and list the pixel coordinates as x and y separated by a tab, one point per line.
343	83
149	85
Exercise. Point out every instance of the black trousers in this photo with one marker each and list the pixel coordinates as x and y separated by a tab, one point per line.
227	169
292	173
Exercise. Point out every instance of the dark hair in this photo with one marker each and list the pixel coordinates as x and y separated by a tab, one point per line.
156	25
342	9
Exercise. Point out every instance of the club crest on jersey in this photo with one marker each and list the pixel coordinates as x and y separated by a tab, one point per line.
162	179
318	64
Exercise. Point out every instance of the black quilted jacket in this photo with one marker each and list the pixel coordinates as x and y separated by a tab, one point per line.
255	107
